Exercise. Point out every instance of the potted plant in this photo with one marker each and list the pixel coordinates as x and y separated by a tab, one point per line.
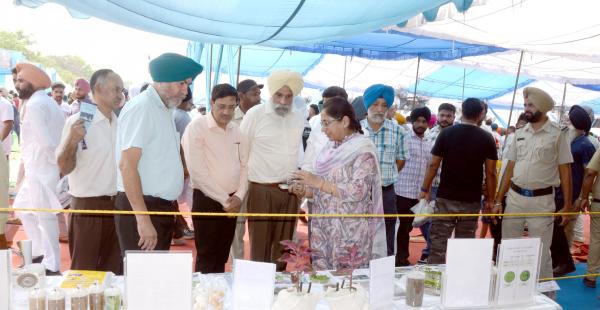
352	297
297	255
352	260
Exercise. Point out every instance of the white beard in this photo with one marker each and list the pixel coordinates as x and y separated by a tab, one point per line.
279	109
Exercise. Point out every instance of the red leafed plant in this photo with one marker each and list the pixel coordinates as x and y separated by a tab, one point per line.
353	259
298	255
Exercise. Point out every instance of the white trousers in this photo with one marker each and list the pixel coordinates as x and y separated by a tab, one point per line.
42	229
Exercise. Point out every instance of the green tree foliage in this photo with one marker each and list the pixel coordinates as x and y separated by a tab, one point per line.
68	67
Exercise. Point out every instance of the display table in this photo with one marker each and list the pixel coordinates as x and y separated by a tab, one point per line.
429	302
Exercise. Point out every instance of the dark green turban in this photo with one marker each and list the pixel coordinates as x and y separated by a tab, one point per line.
171	67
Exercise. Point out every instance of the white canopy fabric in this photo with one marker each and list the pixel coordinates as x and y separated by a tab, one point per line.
565	28
536	65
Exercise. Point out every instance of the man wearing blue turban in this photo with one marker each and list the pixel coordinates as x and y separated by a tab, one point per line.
388	137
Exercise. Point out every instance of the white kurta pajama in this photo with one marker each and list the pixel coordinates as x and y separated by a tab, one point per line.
40	135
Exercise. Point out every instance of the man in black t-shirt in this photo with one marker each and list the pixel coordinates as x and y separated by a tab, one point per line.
464	149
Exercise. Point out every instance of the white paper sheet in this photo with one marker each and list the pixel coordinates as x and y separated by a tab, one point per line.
253	285
86	113
381	285
468	273
158	280
5	276
518	265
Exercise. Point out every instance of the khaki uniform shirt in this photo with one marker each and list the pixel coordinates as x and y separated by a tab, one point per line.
537	155
594	164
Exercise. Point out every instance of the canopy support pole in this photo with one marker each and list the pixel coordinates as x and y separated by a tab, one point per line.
562	106
209	78
462	96
237	80
416	80
512	105
345	64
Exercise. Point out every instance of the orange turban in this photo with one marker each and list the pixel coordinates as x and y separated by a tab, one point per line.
34	75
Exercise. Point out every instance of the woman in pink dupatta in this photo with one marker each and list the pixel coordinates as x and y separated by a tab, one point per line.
346	181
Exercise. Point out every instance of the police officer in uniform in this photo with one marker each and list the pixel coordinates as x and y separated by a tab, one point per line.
538	161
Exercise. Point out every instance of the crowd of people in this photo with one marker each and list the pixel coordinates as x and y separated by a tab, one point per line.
268	158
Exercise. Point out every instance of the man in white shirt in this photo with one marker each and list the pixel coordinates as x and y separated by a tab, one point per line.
150	174
86	156
249	96
58	93
274	131
7	116
42	124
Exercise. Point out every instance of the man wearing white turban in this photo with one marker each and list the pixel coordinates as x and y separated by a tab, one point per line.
274	131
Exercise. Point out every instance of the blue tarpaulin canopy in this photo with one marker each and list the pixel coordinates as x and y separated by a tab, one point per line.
395	45
447	82
589	86
594	104
277	23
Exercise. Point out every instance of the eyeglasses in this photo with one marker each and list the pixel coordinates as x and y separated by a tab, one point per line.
325	123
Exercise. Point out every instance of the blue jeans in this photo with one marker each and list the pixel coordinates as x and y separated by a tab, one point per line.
389	207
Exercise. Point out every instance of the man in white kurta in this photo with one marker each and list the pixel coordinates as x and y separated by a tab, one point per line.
40	135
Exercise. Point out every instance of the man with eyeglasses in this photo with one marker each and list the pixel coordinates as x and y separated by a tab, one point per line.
388	138
217	156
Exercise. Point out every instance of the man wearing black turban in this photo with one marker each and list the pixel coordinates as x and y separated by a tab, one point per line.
583	151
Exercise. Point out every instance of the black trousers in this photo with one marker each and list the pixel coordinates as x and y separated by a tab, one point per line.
126	225
213	235
389	207
559	249
496	230
403	206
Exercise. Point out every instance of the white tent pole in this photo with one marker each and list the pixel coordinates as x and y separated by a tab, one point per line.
512	105
562	107
345	64
416	80
237	80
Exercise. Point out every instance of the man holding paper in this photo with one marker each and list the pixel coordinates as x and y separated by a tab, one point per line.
216	153
42	123
86	155
150	175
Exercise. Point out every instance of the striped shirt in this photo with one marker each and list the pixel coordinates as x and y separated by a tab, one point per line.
410	178
389	141
432	136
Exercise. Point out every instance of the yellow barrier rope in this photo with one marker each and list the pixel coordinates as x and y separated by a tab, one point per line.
113	212
570	277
